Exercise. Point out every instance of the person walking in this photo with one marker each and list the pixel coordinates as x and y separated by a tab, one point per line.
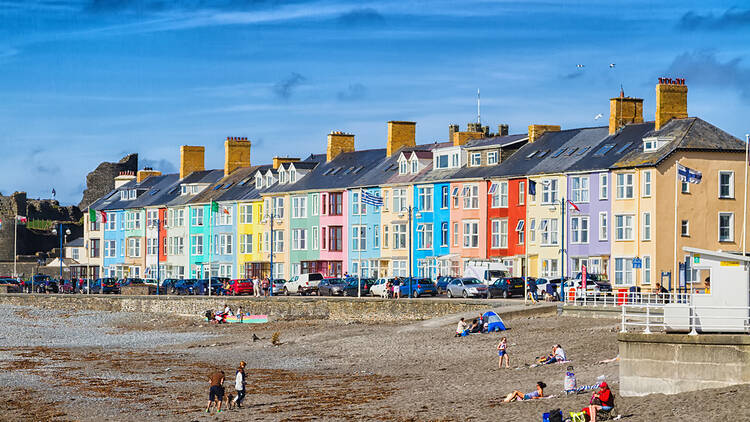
239	386
216	390
502	352
239	314
256	287
266	284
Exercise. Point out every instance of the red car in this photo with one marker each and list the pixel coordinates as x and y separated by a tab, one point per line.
240	287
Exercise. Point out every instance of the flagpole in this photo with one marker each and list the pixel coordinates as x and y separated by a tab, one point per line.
15	245
526	245
744	197
210	239
359	247
675	274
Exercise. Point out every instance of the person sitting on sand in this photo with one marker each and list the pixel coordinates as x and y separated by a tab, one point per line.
517	395
227	310
557	355
601	400
475	327
462	326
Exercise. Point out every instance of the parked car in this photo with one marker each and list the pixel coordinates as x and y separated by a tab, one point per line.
351	287
378	288
67	286
109	285
37	283
278	286
506	287
594	282
442	283
93	286
240	287
330	286
131	282
466	287
303	284
168	286
217	286
419	287
185	287
12	285
542	289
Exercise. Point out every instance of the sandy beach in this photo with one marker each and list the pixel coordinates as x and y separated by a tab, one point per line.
130	366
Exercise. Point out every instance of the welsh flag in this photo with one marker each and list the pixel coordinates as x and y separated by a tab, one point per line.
214	206
21	219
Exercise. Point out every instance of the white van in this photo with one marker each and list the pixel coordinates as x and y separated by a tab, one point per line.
487	272
303	284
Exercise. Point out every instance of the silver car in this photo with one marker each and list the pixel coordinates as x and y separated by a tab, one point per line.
466	287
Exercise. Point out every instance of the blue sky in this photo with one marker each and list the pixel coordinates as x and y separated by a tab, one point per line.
91	80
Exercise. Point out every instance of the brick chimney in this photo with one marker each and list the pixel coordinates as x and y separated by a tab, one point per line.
236	154
624	110
338	142
671	101
400	134
146	173
191	159
460	138
452	128
277	161
502	130
535	131
123	178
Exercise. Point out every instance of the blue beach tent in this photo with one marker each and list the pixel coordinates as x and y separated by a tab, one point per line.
494	323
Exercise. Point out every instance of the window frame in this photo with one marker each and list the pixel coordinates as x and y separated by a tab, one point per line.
730	187
730	228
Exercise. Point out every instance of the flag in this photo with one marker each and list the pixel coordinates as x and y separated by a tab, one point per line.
214	206
92	215
575	207
493	188
532	187
370	199
688	175
1	224
53	192
21	219
225	210
103	216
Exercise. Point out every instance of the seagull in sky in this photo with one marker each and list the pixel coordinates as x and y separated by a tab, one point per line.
611	65
598	116
580	66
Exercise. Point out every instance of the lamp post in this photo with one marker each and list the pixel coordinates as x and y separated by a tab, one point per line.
271	217
410	211
61	235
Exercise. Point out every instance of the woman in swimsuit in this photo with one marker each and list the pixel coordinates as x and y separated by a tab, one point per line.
517	395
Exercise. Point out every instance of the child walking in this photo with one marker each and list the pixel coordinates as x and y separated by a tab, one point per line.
502	352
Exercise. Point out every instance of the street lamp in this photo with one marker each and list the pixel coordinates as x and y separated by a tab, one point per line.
271	218
63	236
410	211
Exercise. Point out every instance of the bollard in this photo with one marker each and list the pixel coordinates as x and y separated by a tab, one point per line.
622	323
648	329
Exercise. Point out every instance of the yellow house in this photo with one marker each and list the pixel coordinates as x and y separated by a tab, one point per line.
250	229
544	216
705	211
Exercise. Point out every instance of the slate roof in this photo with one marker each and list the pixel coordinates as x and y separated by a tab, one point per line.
612	148
206	176
155	187
499	141
692	133
343	172
237	186
75	243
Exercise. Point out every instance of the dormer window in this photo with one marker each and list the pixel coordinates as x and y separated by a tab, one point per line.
123	195
442	161
292	175
184	190
491	158
282	176
196	189
414	165
476	159
269	180
653	143
455	162
403	166
258	181
131	194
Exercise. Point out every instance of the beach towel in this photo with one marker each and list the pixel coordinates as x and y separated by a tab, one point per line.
248	319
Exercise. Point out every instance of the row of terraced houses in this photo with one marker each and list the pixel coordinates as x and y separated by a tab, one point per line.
478	196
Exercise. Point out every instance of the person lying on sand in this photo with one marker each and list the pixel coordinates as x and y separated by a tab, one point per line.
517	395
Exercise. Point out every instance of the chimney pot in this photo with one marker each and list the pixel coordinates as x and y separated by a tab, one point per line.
400	134
191	159
671	101
339	142
236	154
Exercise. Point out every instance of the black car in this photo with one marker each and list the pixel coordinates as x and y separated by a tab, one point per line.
351	287
12	285
185	287
200	287
109	285
168	286
332	287
506	287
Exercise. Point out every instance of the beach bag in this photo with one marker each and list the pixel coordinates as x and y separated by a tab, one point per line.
577	416
552	416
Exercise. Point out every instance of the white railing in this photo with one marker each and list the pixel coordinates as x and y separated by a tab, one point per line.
711	319
592	298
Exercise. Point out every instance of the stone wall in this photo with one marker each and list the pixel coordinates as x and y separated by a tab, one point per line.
285	308
102	180
676	363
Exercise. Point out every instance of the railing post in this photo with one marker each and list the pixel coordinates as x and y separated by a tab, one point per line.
648	329
693	331
622	322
